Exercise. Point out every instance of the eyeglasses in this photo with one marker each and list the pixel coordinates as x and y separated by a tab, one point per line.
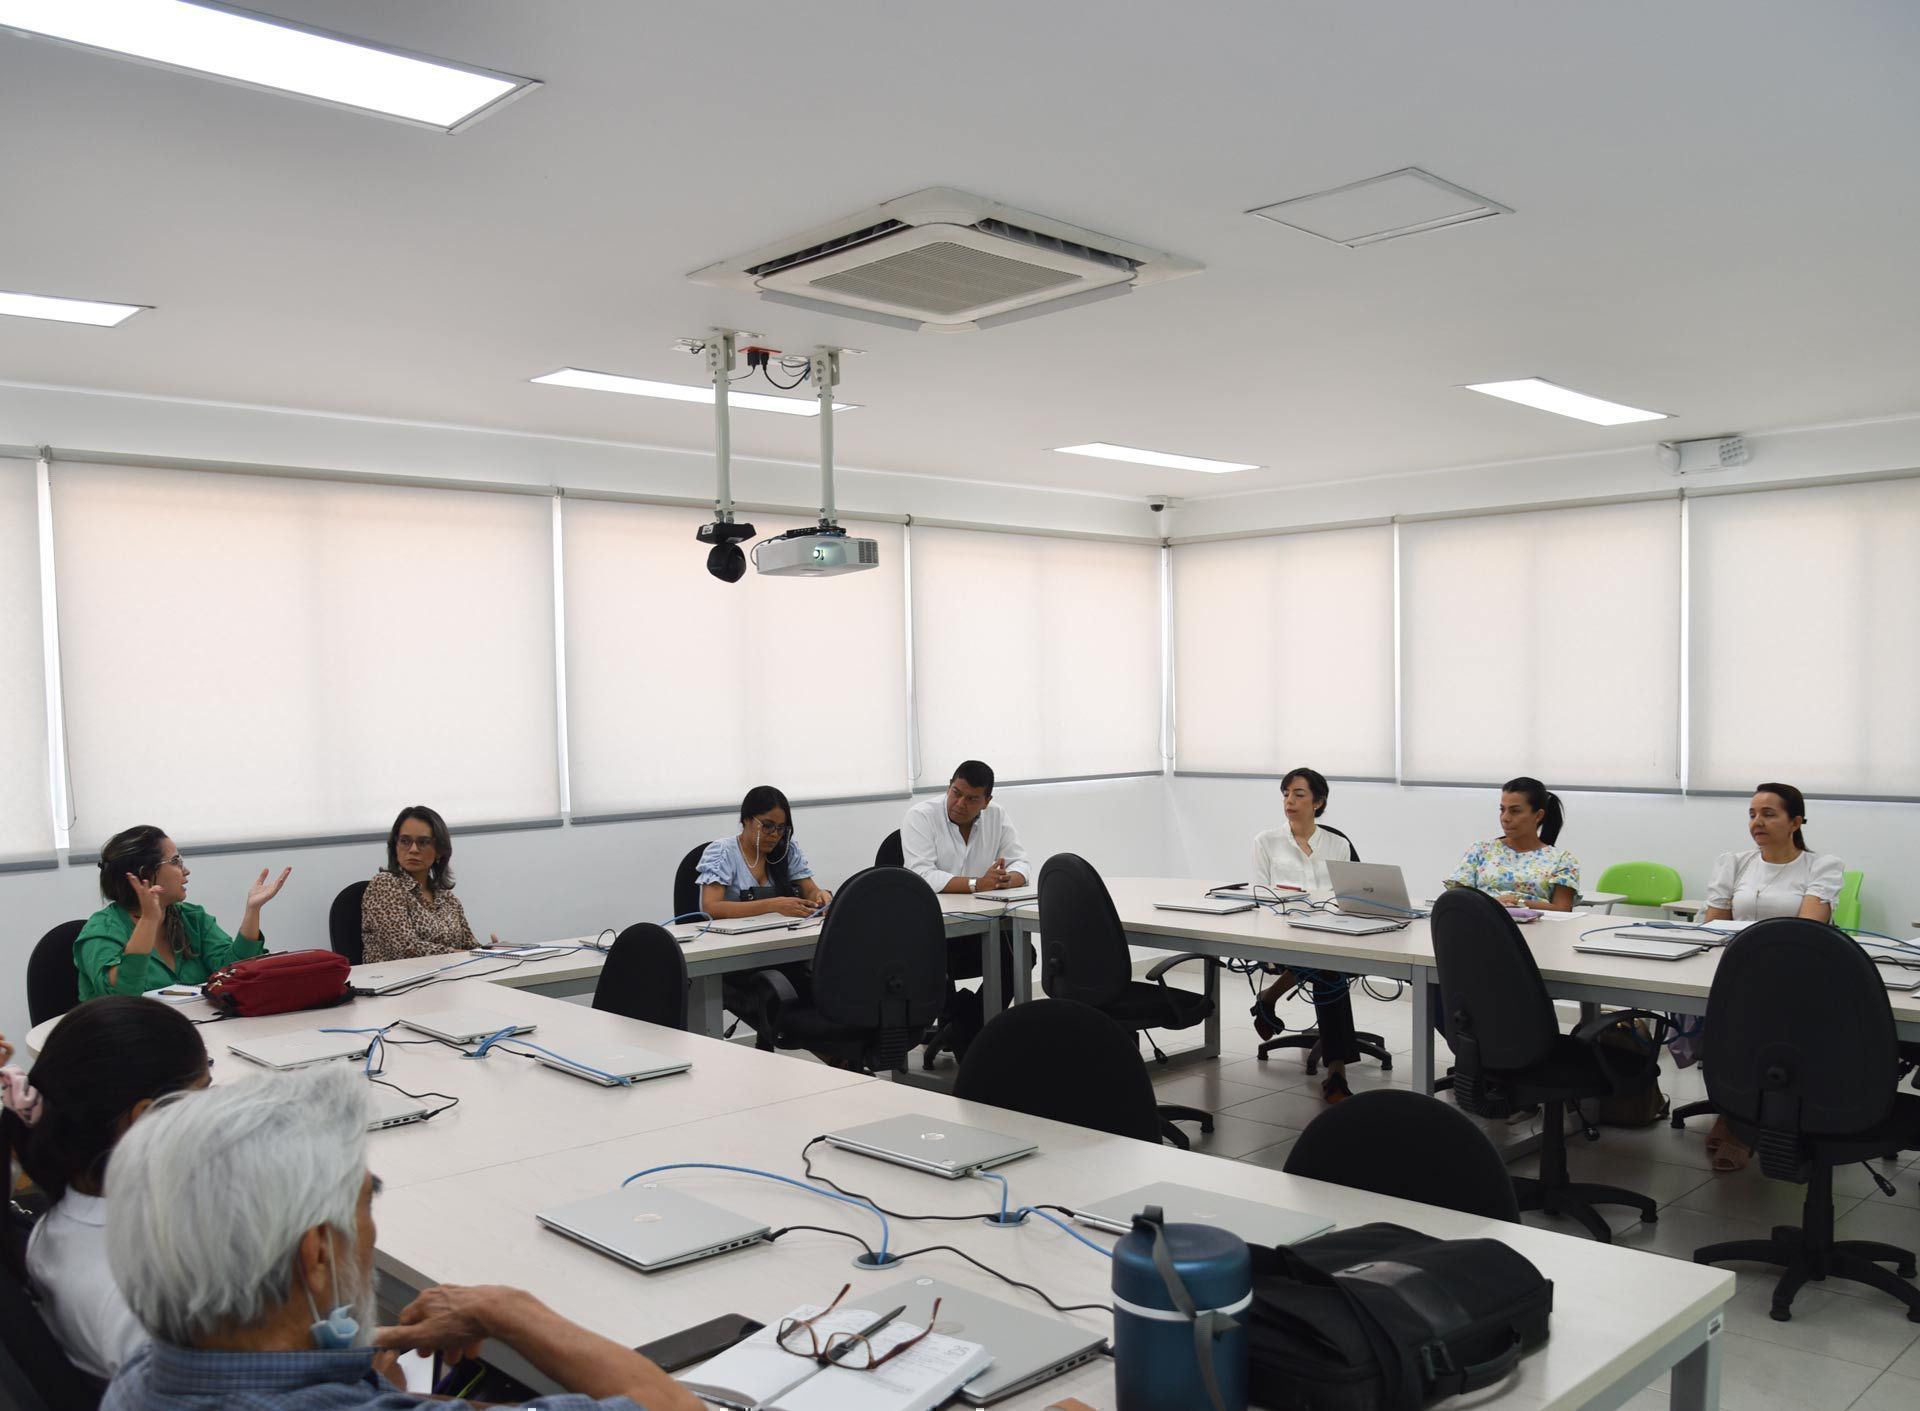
409	844
778	830
175	861
850	1350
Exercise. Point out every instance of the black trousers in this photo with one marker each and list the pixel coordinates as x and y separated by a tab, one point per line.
1333	1012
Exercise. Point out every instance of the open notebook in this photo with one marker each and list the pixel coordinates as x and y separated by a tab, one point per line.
759	1375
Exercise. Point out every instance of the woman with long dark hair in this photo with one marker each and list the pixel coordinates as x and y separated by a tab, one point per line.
148	935
409	907
1522	867
104	1064
760	869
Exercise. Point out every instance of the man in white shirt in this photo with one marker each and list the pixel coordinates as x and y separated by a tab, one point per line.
962	841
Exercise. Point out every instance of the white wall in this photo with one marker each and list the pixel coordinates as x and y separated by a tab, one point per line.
1425	830
541	884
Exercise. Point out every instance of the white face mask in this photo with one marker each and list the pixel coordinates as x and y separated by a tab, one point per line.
350	1324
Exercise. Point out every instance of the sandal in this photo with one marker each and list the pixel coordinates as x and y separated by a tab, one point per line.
1730	1154
1335	1088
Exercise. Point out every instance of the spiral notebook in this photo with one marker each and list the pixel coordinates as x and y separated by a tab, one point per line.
760	1375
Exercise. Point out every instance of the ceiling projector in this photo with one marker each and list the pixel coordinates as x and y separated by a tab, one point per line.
815	553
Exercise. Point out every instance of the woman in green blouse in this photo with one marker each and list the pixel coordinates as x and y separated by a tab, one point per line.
149	935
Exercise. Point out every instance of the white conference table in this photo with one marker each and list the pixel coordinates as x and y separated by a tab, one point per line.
1678	986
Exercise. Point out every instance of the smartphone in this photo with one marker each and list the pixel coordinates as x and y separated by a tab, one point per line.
698	1343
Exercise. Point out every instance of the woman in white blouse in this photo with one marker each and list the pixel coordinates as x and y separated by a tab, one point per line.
1778	876
1295	857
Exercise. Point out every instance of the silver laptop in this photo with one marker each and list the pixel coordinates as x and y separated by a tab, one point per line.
1372	889
309	1046
1010	894
1640	947
1028	1347
767	921
1186	1205
465	1026
1342	924
1211	906
611	1065
652	1228
388	1107
928	1144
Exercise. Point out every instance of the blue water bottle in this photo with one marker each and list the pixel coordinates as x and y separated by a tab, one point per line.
1178	1289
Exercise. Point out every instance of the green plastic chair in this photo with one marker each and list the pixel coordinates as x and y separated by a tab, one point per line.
1644	883
1846	906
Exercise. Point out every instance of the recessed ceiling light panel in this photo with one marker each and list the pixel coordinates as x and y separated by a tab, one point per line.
681	392
1564	401
263	52
1385	207
67	310
1106	452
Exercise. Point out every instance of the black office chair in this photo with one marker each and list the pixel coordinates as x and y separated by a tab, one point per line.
1055	1058
879	975
41	1370
344	935
890	853
1372	1046
53	984
1365	1141
1084	957
1801	1056
1509	1053
645	977
686	894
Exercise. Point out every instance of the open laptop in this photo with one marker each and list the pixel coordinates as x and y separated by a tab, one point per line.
766	921
611	1065
1186	1205
465	1026
300	1050
928	1144
1028	1347
388	1107
650	1228
1372	889
1211	906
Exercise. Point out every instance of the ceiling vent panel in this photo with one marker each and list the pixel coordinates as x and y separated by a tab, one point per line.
942	259
1404	202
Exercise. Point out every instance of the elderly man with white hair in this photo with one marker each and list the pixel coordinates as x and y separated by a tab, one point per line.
240	1229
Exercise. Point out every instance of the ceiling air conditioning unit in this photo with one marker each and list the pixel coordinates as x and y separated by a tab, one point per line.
945	260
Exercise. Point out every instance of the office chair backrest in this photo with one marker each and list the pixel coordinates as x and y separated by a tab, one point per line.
1365	1143
53	984
31	1346
1054	1058
1642	883
890	853
882	958
1497	1011
1083	949
645	977
1846	906
343	923
686	896
1800	1034
1338	834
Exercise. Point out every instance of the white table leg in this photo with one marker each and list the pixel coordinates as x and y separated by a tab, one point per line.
1421	984
990	981
1695	1383
704	1013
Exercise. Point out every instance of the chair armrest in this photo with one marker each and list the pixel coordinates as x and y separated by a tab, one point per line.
1159	972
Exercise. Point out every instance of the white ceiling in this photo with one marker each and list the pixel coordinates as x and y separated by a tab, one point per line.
1717	210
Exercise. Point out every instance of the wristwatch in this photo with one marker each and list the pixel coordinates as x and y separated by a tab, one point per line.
973	884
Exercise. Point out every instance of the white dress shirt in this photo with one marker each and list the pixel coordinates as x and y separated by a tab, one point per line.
934	848
1279	862
1753	889
67	1265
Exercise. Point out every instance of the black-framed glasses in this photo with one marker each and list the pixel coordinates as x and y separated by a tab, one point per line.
779	830
407	844
853	1351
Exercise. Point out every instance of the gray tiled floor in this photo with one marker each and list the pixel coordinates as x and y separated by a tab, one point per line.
1847	1348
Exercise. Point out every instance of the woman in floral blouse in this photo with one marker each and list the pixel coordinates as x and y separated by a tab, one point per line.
1522	867
409	907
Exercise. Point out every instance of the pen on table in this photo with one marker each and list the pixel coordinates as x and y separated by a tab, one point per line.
834	1354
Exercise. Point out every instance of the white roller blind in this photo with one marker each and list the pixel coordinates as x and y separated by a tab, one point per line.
683	690
1283	653
1805	639
1039	656
26	811
1544	643
256	657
